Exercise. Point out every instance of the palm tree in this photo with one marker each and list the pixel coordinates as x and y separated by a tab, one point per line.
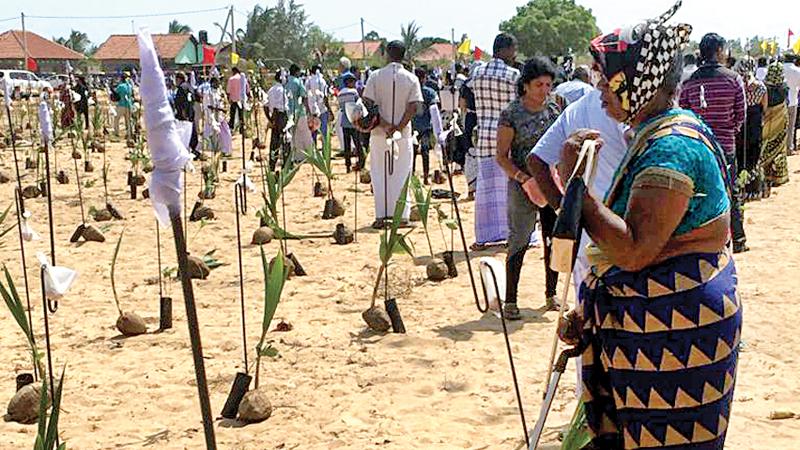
410	38
176	27
77	41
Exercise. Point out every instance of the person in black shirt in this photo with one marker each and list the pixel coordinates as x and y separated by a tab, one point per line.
184	106
82	106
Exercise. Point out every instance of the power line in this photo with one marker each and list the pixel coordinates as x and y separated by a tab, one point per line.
130	16
10	18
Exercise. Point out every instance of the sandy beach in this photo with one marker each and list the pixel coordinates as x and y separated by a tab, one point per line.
445	384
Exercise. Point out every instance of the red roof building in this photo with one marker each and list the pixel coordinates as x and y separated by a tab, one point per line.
436	53
121	52
49	56
355	50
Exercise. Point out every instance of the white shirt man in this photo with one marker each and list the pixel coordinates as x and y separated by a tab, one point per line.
586	113
317	89
276	99
792	74
394	90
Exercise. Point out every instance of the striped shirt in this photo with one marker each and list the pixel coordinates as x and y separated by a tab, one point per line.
717	95
495	87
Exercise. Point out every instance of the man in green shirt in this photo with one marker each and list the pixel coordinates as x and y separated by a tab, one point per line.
124	96
299	111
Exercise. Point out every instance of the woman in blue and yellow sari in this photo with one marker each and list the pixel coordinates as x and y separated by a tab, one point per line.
659	316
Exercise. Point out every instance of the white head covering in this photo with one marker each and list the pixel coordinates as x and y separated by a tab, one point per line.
45	120
167	151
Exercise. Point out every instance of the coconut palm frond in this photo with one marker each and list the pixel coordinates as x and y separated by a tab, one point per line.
577	435
14	305
113	270
48	427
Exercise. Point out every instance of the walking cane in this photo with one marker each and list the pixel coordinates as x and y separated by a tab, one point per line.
566	241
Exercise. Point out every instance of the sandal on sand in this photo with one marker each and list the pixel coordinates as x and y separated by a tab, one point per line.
511	312
378	224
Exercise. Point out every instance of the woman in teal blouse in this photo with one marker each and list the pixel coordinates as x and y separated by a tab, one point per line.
660	315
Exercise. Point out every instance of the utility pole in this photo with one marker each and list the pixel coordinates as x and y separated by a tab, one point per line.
453	41
24	44
363	42
233	33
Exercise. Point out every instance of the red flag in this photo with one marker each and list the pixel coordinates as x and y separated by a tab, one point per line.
789	39
477	54
31	64
209	55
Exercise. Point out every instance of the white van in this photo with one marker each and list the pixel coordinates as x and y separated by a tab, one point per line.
27	81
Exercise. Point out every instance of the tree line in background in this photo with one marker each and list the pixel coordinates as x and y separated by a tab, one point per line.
284	32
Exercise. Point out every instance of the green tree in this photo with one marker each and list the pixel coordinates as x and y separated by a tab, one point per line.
373	36
276	32
325	48
176	27
552	27
409	34
77	41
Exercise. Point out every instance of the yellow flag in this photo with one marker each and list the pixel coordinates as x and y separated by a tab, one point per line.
234	58
796	47
764	46
464	48
774	47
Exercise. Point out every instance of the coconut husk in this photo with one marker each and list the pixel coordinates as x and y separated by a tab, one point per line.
103	215
139	180
114	212
200	212
130	324
320	190
198	270
130	144
333	209
377	320
4	177
438	177
62	177
414	215
288	263
343	235
76	154
148	168
31	192
263	235
207	194
146	193
365	177
92	234
88	166
436	270
24	405
99	147
29	164
255	406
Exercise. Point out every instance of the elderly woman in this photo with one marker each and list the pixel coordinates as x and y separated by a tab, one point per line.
773	154
661	318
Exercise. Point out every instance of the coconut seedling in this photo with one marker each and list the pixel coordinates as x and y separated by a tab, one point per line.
321	160
78	126
436	269
444	220
47	433
88	232
392	242
138	159
128	323
255	406
22	407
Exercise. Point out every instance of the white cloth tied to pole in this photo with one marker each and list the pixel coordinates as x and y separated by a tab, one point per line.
167	150
45	121
57	279
225	138
28	234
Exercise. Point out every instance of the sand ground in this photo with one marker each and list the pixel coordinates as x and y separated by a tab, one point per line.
445	384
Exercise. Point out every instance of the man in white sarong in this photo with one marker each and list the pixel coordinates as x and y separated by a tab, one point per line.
396	92
299	111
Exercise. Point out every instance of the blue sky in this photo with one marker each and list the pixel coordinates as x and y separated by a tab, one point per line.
731	18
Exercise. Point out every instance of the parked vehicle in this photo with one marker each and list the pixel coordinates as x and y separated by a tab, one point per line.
57	80
27	81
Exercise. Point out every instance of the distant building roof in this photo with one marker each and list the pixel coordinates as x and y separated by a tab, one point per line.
354	50
436	52
12	47
124	46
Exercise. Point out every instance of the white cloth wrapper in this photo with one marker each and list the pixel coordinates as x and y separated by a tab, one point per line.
57	279
45	122
168	152
28	234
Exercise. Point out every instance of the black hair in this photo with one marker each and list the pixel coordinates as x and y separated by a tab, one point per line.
180	75
709	46
316	67
503	41
278	76
235	69
581	73
762	61
420	73
294	70
689	59
396	50
534	68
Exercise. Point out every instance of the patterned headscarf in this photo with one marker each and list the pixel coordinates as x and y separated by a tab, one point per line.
636	60
745	67
774	75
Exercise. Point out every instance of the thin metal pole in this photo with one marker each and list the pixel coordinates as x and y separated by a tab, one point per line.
49	203
80	191
158	247
20	210
45	305
194	328
237	198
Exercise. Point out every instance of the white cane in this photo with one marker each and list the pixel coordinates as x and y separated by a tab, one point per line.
563	260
